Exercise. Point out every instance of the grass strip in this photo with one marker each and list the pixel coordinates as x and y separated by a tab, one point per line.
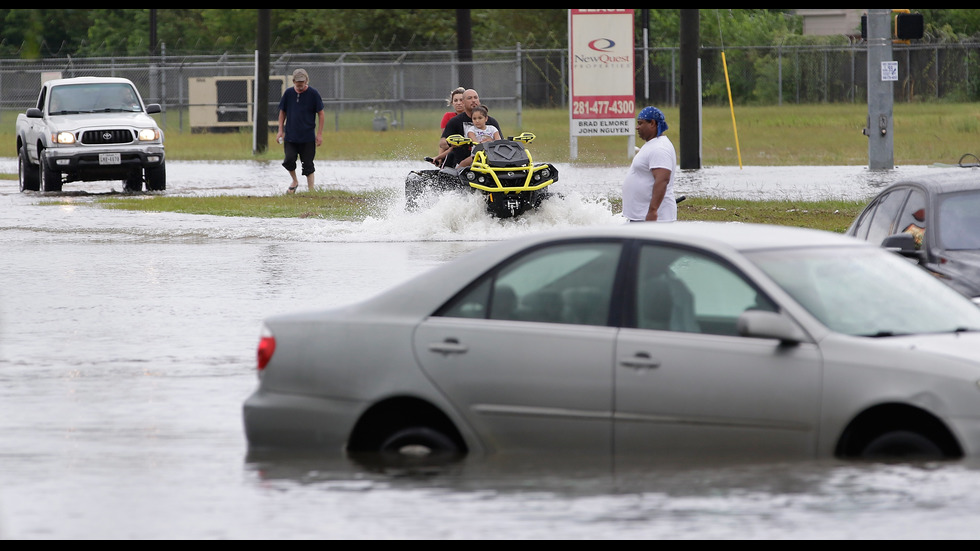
322	204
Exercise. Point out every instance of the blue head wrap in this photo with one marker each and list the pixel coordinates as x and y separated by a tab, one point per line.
654	114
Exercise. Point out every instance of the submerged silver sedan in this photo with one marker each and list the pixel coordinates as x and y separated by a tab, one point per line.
676	340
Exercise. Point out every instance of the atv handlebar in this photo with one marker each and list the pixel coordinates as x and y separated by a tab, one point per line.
457	140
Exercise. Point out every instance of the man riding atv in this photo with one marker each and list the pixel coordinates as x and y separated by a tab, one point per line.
450	156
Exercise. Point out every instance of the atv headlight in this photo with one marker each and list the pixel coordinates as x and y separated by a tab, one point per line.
63	138
149	134
470	175
546	173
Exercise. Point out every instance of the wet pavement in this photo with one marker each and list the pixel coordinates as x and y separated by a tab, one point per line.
127	345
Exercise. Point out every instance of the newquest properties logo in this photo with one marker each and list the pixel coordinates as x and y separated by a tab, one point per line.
603	53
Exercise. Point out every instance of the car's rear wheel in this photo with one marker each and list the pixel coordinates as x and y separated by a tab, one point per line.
421	442
902	445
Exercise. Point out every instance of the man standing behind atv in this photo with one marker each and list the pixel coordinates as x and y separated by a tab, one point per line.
299	109
456	126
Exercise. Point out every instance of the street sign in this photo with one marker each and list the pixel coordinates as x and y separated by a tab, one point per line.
889	71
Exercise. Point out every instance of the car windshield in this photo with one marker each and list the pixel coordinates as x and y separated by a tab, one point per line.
93	98
868	292
959	221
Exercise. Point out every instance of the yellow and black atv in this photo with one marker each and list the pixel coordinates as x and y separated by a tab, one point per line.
502	171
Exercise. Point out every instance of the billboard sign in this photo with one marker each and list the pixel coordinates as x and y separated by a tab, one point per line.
602	60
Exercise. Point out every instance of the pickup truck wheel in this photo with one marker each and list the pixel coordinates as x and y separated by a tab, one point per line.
50	179
156	178
27	174
134	183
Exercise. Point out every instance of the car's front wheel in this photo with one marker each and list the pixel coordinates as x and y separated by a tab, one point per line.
50	179
156	178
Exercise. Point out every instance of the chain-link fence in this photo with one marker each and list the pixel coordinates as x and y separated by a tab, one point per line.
778	75
382	90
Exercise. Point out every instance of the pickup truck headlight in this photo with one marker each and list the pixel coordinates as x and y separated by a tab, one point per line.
149	134
64	138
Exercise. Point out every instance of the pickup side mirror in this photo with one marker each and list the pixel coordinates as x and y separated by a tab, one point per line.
153	108
34	113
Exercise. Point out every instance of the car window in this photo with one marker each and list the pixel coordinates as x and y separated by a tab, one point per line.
913	218
867	291
89	98
958	221
881	223
569	283
682	290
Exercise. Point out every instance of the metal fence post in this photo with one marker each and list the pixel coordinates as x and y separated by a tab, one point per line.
519	82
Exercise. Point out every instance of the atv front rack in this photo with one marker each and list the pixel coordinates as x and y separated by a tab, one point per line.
506	166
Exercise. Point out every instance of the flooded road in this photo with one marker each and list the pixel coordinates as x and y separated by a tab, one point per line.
127	344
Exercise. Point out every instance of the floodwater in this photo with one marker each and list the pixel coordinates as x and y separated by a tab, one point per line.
127	345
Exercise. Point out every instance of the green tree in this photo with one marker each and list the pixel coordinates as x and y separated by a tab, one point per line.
36	33
117	32
951	24
33	34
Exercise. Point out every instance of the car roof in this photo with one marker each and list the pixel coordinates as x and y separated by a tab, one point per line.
88	80
431	290
950	180
733	235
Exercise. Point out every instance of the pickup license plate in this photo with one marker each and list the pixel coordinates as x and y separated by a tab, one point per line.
110	159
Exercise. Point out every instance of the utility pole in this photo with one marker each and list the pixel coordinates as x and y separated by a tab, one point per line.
464	41
153	32
646	55
882	73
263	41
690	131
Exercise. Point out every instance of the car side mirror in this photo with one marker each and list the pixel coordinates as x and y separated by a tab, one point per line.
34	113
153	108
761	324
903	244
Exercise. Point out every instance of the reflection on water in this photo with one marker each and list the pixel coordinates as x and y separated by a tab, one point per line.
547	497
127	347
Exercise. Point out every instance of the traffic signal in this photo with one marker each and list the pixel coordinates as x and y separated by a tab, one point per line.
909	26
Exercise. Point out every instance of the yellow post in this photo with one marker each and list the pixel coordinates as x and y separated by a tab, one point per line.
731	104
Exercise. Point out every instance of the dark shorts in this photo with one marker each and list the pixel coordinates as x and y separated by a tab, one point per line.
306	152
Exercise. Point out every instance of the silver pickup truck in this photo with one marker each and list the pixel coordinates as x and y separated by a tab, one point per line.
90	129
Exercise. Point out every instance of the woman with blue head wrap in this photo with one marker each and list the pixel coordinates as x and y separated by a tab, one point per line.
648	191
655	115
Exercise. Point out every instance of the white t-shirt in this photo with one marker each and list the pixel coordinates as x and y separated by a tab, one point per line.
638	186
481	136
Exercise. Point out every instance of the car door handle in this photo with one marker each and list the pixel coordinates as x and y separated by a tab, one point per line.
641	362
450	346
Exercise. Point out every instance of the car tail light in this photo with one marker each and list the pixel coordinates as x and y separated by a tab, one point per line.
267	347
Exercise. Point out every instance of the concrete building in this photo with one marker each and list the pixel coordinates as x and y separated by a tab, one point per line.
832	21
